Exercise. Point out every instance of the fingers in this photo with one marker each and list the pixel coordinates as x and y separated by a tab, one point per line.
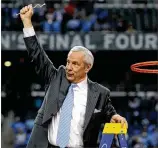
119	119
124	122
30	8
26	9
112	121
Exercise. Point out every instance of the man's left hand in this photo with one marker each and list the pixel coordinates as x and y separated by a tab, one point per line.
119	119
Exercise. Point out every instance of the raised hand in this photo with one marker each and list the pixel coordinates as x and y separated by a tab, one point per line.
26	15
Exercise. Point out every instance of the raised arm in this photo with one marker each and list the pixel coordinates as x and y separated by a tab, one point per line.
43	66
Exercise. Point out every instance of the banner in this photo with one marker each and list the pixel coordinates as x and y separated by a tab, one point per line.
92	41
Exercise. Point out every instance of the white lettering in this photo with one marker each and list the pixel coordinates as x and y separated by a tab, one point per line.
20	42
5	41
14	37
151	41
62	42
136	44
51	42
87	42
76	41
43	39
122	41
108	40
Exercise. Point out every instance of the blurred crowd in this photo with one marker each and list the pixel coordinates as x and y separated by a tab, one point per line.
15	133
143	122
82	16
141	113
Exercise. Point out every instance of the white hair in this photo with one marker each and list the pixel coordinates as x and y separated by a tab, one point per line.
89	59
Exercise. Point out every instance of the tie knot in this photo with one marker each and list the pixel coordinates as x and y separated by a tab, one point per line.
73	85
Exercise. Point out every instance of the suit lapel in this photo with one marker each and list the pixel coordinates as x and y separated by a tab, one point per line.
63	91
92	98
53	105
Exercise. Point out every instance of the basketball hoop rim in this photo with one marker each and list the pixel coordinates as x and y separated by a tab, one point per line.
137	67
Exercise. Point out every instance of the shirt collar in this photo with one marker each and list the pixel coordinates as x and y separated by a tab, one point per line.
83	83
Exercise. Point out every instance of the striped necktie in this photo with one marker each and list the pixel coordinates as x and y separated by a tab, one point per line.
63	134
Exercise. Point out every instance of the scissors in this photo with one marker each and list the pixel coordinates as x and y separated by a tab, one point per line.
37	5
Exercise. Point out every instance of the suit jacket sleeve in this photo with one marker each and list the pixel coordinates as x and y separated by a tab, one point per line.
108	108
43	66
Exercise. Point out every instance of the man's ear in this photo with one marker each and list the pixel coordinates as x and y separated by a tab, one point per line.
87	68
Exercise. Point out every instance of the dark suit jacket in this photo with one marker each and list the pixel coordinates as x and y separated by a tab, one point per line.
56	88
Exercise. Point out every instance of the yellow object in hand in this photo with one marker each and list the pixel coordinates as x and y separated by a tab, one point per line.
114	128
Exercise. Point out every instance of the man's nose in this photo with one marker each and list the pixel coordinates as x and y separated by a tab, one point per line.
69	67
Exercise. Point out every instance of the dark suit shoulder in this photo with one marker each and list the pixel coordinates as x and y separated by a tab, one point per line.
102	88
61	67
60	73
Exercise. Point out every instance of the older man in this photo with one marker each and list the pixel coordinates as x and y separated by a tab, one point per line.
74	107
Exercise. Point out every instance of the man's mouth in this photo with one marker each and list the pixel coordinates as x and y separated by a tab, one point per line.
69	74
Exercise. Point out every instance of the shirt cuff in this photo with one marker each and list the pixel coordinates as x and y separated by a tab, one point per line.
28	32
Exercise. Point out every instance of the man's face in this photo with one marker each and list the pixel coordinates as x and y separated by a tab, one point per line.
76	68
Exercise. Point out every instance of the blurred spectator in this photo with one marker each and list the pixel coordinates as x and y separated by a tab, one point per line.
153	136
69	11
134	103
102	23
7	134
134	108
121	24
47	25
130	28
20	134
